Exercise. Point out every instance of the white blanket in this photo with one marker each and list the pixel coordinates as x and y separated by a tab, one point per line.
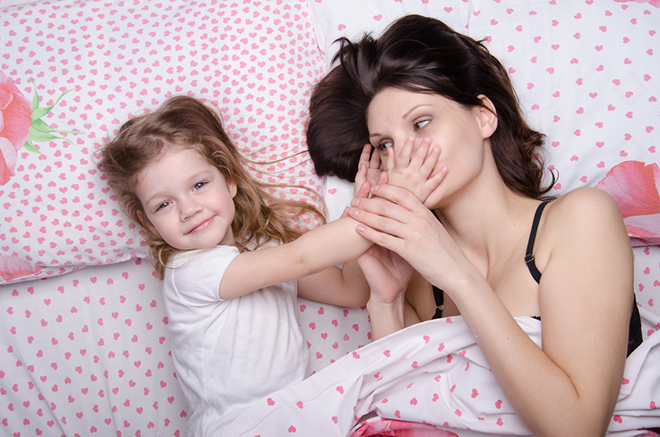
434	373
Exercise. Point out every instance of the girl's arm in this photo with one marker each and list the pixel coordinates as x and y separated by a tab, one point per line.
314	251
345	286
569	387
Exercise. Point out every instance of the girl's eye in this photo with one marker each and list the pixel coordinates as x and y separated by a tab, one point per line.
162	205
420	124
198	185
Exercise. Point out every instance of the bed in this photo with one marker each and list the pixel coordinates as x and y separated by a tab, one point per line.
84	341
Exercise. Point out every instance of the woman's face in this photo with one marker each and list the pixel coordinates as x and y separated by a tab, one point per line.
395	114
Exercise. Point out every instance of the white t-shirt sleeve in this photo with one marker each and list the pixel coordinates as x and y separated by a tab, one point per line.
196	274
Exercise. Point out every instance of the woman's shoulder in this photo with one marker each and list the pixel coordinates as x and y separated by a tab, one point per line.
583	204
584	213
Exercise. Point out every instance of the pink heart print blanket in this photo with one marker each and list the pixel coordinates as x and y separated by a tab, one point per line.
432	373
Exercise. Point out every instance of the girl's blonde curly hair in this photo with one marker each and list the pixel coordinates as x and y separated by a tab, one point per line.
185	122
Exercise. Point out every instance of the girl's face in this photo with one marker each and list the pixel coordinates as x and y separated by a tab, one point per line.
395	114
187	201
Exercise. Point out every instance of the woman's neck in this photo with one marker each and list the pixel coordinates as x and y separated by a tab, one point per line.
487	224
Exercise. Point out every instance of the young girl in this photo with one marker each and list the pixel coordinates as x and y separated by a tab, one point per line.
231	307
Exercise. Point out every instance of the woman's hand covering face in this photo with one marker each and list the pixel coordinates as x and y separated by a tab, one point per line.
395	219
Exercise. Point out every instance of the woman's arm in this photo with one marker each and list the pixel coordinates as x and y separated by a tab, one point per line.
586	296
570	386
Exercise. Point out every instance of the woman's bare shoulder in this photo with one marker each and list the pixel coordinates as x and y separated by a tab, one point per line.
584	206
585	216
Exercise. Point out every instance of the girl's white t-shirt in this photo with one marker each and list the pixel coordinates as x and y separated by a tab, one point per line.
228	353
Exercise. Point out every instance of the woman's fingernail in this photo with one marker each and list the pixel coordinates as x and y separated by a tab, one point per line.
353	212
355	202
375	188
360	228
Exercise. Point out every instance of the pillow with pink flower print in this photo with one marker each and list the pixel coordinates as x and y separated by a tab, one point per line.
635	187
655	3
14	126
15	123
46	221
73	72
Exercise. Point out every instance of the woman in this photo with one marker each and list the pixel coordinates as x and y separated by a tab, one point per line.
485	235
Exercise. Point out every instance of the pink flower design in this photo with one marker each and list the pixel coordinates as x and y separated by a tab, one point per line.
399	428
655	3
635	187
12	267
21	125
15	121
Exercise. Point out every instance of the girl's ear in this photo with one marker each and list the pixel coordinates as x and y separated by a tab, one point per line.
487	116
232	188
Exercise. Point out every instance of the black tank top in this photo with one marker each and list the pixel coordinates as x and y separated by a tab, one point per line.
635	327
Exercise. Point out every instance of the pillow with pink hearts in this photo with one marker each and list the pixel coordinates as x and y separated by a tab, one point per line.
346	18
71	74
586	73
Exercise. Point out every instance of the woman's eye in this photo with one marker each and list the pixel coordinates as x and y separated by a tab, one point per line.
384	145
420	124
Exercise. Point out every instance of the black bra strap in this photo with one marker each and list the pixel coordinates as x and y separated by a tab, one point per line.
529	256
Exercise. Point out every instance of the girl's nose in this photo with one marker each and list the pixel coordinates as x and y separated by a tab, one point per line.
188	208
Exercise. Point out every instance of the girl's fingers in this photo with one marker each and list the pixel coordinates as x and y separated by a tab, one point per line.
430	159
403	158
419	156
365	155
363	190
360	178
390	160
374	160
432	200
412	154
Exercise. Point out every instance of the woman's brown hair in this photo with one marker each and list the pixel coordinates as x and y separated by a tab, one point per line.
419	54
185	122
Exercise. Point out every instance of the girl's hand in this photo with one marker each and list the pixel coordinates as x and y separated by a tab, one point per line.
413	167
368	168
